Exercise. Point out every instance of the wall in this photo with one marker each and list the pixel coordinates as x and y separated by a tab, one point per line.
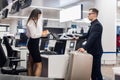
107	16
13	26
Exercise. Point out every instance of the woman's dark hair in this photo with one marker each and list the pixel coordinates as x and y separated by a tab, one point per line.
34	15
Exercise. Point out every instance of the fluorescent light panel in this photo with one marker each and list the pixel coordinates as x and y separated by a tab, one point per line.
70	14
40	7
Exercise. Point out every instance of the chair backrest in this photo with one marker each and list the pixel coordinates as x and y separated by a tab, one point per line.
8	46
2	56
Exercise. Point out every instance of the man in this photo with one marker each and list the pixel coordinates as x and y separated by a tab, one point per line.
94	45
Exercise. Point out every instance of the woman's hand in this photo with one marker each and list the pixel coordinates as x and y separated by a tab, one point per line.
81	50
45	33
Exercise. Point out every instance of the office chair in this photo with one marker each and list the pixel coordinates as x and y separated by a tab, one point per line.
5	62
10	51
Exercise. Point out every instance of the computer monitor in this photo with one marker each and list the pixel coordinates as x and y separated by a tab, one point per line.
55	36
5	13
22	41
22	30
45	22
15	7
74	26
44	40
60	46
3	4
72	44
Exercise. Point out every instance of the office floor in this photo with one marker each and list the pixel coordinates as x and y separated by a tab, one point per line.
107	72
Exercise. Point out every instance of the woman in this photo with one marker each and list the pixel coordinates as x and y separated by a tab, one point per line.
34	32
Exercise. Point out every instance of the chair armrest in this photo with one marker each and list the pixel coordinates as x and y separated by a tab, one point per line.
14	63
16	60
13	58
16	50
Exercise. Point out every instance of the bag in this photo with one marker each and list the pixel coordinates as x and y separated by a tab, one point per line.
79	67
25	3
15	7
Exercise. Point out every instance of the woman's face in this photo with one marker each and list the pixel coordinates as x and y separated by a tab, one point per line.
39	16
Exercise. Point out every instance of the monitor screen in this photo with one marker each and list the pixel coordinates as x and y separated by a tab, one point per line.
3	4
45	22
20	24
22	41
60	46
55	36
21	30
4	13
72	44
15	7
73	26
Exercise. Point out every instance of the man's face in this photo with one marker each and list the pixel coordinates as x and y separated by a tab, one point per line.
91	15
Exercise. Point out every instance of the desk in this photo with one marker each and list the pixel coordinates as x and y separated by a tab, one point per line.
23	55
70	45
19	77
54	66
116	71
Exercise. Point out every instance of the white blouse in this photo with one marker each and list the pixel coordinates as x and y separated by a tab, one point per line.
34	31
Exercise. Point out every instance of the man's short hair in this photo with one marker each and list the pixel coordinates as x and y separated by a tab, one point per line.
94	10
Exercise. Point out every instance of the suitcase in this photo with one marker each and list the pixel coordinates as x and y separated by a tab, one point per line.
79	67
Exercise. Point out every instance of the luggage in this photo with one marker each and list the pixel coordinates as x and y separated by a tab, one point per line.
79	67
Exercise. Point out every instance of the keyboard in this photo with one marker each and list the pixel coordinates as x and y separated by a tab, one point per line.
49	52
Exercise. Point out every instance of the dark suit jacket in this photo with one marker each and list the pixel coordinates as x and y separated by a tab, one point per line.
94	45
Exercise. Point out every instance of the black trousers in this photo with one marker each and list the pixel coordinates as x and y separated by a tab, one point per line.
96	69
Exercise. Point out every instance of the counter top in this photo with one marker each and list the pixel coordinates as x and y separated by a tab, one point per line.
20	77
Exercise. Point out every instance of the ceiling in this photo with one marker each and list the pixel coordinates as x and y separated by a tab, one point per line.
53	3
49	13
62	3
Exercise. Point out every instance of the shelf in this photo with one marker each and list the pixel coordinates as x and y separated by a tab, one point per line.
4	25
24	17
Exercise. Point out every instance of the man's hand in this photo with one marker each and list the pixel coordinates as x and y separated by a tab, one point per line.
81	50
